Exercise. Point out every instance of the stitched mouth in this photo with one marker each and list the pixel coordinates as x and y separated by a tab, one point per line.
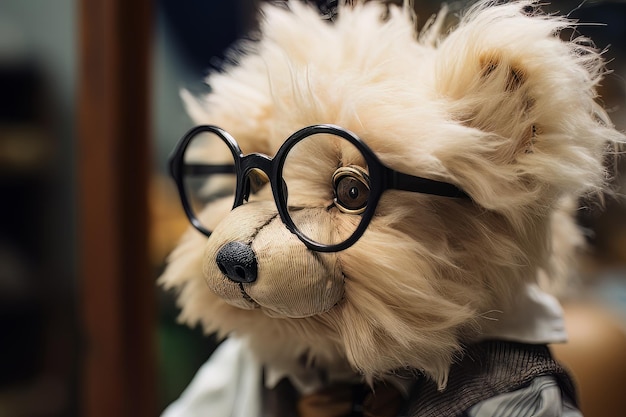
246	297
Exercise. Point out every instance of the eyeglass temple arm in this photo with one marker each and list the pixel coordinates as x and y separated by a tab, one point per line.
203	169
405	182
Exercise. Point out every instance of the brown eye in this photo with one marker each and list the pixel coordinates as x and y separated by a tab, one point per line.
352	189
257	180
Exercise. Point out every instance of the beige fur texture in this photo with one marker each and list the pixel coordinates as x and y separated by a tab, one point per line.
499	106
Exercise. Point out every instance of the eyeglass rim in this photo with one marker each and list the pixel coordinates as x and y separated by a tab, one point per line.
176	163
378	177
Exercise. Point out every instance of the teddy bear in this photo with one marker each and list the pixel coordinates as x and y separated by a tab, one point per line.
377	210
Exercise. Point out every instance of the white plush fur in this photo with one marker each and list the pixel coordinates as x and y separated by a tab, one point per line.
500	106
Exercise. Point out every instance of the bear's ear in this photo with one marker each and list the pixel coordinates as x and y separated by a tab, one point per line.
528	101
505	71
494	94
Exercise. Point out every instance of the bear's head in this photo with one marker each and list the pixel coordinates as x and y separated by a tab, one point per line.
374	195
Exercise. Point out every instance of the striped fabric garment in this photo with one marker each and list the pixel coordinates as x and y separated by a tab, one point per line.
494	379
503	379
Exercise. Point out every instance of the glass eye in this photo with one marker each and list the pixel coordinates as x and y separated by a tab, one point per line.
255	181
258	179
351	185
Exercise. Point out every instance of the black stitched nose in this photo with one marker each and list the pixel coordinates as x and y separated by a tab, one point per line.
237	261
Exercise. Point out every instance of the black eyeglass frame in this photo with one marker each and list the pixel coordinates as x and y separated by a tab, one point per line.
381	178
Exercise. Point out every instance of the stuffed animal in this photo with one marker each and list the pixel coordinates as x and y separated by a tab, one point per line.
374	207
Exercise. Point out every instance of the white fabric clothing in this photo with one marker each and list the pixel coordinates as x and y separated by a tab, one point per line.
542	398
227	385
536	317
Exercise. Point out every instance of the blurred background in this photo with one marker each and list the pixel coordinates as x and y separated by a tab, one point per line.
89	111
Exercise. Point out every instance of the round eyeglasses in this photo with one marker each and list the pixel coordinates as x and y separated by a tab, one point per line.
326	182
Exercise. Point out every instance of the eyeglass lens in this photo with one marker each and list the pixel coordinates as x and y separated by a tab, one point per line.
323	210
208	172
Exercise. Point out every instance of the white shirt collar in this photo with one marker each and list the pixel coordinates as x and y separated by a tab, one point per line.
535	317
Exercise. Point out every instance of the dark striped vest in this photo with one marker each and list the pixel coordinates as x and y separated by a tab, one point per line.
486	370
